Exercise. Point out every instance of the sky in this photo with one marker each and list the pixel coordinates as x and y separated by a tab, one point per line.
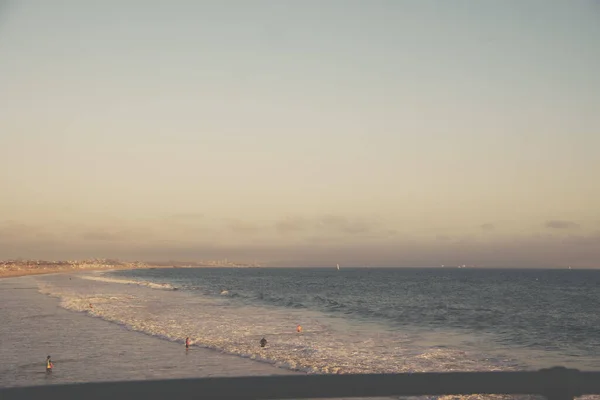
380	133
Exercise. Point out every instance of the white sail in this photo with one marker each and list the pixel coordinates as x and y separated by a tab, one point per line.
338	267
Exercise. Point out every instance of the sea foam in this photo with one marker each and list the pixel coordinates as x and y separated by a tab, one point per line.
327	345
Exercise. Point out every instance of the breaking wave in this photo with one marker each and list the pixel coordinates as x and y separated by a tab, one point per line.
152	285
329	345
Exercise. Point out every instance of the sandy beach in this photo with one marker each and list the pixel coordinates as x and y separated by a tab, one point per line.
12	269
111	327
86	349
19	270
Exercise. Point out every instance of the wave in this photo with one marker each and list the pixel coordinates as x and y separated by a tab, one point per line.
326	345
152	285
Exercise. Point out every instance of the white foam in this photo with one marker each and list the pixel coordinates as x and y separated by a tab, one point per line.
327	345
164	286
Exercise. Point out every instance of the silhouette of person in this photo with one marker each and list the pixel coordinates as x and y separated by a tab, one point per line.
49	364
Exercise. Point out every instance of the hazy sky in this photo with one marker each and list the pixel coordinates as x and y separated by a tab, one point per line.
302	132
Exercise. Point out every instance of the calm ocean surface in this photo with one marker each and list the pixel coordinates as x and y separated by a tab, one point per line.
382	320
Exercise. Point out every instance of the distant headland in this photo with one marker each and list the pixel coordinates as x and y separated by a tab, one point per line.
21	267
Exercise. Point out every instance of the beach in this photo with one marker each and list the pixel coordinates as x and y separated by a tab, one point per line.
132	324
12	269
86	349
17	268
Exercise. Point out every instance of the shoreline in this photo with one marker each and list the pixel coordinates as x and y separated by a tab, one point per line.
118	354
16	273
27	268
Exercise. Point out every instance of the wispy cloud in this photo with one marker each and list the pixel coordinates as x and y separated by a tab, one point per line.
532	251
488	227
292	224
323	240
344	224
560	224
13	230
192	217
100	236
327	223
583	240
242	227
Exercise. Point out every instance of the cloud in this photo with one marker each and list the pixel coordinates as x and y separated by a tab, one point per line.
185	216
558	224
582	240
292	224
100	236
243	227
525	252
326	223
488	227
16	231
322	240
345	225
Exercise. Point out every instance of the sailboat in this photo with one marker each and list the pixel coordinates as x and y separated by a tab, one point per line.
338	267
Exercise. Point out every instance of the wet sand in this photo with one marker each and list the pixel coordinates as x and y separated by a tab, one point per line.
87	349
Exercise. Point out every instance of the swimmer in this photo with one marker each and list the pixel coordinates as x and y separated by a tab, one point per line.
263	342
187	343
299	329
49	364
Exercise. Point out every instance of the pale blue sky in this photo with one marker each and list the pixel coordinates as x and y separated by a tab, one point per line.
380	132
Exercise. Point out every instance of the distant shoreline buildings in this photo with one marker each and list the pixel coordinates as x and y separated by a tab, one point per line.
24	265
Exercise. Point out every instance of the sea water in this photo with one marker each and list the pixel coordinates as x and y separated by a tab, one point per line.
84	349
359	320
372	320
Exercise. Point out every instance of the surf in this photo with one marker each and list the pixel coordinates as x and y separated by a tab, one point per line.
326	345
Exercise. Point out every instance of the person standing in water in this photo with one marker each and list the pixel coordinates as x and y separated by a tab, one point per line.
187	343
49	364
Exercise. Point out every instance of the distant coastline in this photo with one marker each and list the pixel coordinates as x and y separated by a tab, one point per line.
15	268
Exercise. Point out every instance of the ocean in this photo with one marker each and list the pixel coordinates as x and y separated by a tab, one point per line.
355	320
